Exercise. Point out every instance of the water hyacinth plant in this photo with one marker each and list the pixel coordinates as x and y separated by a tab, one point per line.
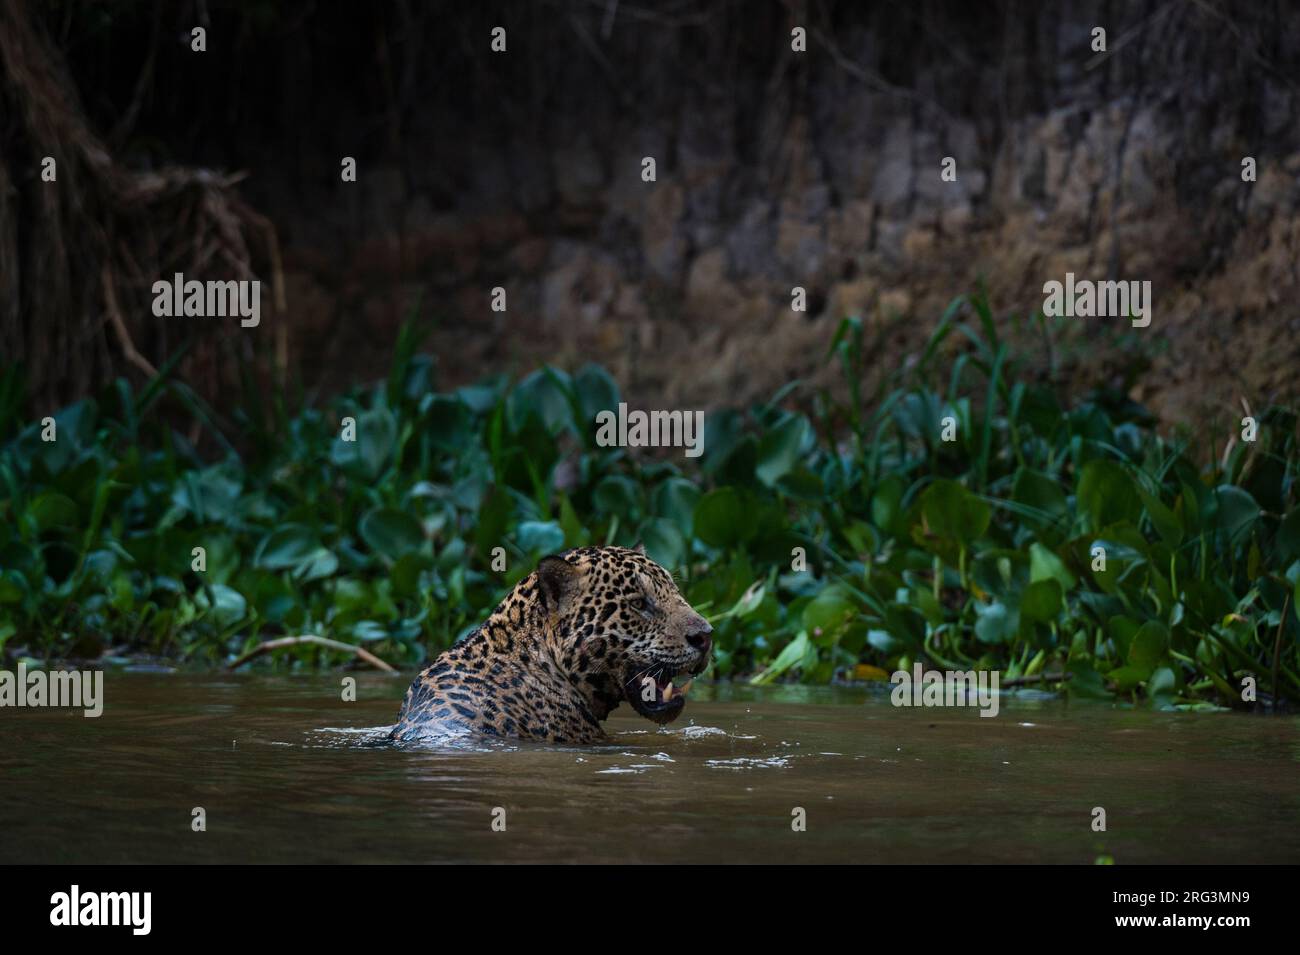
963	517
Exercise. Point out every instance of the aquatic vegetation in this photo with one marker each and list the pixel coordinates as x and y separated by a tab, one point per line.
963	515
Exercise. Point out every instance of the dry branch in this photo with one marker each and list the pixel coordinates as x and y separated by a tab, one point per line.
282	642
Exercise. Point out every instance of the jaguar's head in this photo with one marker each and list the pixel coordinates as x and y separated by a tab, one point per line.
625	630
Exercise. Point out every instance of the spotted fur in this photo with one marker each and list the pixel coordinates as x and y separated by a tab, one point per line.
587	630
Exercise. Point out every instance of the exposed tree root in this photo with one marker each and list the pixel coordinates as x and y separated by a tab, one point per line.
79	255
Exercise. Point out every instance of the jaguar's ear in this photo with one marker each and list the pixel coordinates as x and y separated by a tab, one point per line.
556	576
640	548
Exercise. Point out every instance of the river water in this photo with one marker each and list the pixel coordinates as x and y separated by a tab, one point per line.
286	771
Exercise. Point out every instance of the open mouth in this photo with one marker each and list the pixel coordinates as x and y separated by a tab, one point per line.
664	703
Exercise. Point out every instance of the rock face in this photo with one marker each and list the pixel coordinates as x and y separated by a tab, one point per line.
821	170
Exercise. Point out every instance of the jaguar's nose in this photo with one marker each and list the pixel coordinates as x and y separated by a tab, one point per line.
700	637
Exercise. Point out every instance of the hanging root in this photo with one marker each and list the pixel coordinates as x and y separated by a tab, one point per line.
79	253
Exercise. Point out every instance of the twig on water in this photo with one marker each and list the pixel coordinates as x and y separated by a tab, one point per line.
282	642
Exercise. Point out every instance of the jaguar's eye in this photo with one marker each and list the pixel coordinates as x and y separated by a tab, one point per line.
639	603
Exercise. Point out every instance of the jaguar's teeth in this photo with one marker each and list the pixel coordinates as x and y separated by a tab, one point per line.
681	690
668	691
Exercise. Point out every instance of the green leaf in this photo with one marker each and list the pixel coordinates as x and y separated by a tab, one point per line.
211	495
1107	494
1149	646
540	394
802	485
1128	677
367	631
1041	601
827	614
318	564
228	606
996	623
285	547
1044	496
1045	565
721	519
1085	683
373	442
1121	630
1237	513
663	541
791	656
1165	521
13	586
1161	687
575	533
540	537
953	513
354	595
596	392
493	520
450	424
887	505
778	450
273	599
376	438
749	601
906	623
52	510
1286	545
618	495
391	533
675	499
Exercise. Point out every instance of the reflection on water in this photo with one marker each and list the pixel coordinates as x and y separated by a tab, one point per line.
286	771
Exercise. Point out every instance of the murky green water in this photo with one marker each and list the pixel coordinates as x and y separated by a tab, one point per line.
287	772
